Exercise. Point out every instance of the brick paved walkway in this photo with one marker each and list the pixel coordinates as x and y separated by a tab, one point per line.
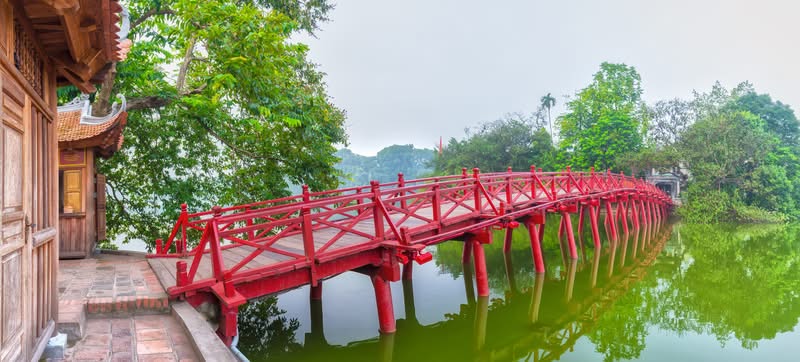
122	309
139	338
111	284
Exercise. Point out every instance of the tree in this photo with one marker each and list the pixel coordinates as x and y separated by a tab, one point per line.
725	148
744	146
224	108
548	102
604	120
507	142
668	120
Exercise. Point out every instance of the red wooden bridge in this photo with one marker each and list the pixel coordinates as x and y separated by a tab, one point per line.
248	251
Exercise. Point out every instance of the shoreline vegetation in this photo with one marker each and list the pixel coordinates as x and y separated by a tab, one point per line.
737	150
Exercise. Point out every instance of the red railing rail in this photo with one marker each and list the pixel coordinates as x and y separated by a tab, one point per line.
318	226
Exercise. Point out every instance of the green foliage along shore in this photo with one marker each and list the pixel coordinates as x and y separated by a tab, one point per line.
737	149
358	170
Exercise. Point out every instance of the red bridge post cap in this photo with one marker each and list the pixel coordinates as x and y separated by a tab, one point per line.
509	169
475	172
533	168
184	206
217	210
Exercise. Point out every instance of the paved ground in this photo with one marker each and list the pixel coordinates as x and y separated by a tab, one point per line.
123	310
111	284
139	338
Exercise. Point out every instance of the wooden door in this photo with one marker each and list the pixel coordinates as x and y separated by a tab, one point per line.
13	220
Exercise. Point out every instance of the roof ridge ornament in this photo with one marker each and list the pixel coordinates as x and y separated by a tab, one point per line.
76	103
82	103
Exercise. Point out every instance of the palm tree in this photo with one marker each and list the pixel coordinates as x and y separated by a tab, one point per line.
549	101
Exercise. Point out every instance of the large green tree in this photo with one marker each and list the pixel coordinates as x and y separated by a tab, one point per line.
604	120
495	146
224	108
744	147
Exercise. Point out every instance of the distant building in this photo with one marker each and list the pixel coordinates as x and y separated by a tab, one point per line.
669	182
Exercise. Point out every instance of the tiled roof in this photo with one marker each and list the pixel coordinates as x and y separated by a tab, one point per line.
107	136
71	129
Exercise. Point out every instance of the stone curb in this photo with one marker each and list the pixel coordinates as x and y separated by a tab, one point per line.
205	341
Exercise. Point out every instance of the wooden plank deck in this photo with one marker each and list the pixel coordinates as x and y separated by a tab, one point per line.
166	270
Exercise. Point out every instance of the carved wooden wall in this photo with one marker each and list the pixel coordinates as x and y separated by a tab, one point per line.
28	172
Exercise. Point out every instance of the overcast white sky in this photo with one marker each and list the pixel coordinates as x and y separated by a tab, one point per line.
411	71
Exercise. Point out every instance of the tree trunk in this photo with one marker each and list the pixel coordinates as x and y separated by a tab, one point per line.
102	102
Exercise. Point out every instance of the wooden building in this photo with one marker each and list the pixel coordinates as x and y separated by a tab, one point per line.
82	139
43	44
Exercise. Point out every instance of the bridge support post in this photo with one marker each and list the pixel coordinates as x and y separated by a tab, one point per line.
622	215
466	254
408	269
228	317
481	275
469	287
383	299
594	209
507	240
512	285
316	291
610	219
635	212
536	245
567	220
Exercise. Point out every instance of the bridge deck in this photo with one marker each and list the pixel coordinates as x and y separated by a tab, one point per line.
166	271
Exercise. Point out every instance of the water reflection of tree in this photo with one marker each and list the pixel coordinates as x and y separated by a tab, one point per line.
265	331
729	282
734	282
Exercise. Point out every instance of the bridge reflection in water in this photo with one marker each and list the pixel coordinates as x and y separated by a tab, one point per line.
539	317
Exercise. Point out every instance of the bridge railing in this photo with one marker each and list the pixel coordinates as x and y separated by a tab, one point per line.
318	226
500	189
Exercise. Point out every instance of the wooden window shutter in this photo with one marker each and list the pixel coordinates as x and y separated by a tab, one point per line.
73	197
101	207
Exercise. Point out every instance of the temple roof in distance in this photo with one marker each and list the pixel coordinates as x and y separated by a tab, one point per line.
78	129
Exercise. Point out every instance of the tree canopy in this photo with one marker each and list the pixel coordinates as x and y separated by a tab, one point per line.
224	108
513	141
604	120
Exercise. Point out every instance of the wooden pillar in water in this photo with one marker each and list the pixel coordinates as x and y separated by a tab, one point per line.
567	222
383	300
536	245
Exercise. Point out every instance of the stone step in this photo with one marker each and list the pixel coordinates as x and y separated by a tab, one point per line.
71	319
125	306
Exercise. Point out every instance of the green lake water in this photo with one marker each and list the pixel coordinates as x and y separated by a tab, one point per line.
672	293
